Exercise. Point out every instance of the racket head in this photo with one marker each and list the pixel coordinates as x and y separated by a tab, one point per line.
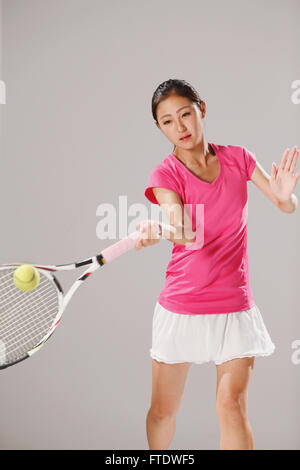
27	319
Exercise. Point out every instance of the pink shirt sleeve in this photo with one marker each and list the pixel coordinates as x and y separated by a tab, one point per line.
250	162
160	178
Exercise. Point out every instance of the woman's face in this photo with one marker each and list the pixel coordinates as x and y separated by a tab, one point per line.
178	117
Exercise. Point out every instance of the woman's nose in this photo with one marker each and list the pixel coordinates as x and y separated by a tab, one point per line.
180	127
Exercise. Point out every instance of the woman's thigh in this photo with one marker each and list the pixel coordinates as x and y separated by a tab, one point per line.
233	378
168	382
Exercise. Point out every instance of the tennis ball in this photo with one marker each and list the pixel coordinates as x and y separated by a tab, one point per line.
26	277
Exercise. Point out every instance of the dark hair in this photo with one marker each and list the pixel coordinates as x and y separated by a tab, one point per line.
173	86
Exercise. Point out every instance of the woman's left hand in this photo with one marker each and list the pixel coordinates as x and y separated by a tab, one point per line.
283	180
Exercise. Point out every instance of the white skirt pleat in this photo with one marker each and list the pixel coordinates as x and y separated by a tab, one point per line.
213	337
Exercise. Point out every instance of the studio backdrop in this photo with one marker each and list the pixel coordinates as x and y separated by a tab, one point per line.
78	142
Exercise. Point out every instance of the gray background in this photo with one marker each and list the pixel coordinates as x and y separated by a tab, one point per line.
77	131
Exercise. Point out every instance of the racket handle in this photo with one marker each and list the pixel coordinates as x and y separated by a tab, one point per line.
128	243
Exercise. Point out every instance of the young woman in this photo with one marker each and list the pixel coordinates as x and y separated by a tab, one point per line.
206	310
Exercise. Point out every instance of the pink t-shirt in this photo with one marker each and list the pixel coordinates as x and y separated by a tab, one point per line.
215	277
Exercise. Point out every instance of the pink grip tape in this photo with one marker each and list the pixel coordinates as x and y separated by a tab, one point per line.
126	244
117	249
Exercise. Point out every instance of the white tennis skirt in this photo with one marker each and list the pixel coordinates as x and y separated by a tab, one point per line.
212	337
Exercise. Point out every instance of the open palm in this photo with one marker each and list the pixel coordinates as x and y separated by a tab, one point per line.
283	180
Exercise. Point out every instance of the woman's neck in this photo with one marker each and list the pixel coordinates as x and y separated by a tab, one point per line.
198	156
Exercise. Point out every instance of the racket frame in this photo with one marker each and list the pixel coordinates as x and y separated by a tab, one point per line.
63	299
94	263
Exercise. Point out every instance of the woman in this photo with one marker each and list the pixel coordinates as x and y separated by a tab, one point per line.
206	311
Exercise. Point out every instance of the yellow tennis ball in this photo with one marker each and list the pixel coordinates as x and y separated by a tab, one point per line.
26	277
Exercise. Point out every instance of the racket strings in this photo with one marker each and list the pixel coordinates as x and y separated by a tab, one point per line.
10	317
24	325
25	317
13	328
12	305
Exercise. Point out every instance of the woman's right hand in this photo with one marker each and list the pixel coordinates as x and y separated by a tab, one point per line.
149	232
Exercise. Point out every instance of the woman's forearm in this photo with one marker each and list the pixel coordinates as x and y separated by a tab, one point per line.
182	235
289	206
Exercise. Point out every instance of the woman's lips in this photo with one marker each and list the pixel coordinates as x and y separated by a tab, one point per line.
185	138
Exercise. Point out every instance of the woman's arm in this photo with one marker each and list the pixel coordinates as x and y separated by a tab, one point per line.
289	206
178	217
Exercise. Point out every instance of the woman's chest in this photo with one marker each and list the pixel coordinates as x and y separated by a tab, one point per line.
208	175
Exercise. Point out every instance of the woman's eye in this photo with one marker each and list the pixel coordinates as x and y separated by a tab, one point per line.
166	122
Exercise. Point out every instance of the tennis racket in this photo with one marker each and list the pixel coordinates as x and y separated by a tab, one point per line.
28	319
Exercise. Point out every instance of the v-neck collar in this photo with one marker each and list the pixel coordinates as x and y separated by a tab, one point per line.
174	158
